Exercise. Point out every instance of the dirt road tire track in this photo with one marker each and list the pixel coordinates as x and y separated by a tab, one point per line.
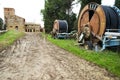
34	58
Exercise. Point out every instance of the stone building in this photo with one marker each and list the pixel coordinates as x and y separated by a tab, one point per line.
32	27
14	22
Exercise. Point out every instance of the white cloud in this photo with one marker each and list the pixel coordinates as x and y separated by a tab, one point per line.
76	7
108	2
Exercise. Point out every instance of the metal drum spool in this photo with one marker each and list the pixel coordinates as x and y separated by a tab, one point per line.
95	19
60	26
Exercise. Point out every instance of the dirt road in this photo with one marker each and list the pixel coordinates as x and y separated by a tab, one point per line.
33	58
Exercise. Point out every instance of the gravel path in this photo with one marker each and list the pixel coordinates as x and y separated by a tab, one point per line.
33	58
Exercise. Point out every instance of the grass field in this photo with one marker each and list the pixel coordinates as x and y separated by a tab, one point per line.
106	59
9	37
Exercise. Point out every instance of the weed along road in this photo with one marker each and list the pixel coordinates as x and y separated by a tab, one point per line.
34	58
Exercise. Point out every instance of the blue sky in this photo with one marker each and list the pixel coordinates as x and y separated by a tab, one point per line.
30	9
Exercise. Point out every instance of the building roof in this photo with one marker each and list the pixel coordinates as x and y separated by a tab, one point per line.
31	23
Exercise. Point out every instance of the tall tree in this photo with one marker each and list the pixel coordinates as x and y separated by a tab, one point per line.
117	3
1	23
57	9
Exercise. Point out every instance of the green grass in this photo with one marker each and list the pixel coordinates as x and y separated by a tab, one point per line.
9	38
106	59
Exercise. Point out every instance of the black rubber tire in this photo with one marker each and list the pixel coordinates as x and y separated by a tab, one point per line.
89	43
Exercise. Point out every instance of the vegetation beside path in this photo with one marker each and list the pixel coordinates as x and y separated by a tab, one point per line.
9	38
106	59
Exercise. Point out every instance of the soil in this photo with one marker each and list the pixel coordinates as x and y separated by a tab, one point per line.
34	58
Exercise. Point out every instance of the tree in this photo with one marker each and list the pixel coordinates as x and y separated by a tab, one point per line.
117	3
75	24
1	24
57	9
71	22
5	27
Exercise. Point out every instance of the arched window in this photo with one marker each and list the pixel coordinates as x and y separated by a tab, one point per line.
16	27
11	26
